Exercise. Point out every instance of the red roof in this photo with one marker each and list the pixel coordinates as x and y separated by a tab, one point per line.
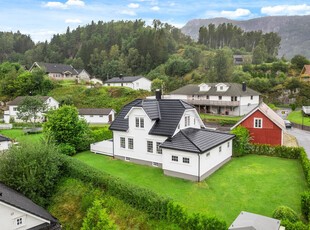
307	67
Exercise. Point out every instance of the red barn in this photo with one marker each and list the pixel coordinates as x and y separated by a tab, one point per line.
265	126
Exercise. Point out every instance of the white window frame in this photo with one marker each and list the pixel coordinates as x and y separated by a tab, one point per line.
185	159
228	144
131	147
147	146
121	143
20	221
187	121
260	121
220	149
100	115
139	122
159	150
174	157
252	97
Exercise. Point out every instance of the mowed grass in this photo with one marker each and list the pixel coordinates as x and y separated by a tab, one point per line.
257	184
19	136
218	117
296	117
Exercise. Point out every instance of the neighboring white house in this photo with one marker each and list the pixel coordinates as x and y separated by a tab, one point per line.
136	82
12	112
62	71
5	143
97	116
168	134
19	212
218	98
96	81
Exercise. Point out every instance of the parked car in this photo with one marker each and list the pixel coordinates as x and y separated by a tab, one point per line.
288	124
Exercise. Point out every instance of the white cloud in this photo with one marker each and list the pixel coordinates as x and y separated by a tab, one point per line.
238	13
128	12
73	21
286	10
172	4
60	5
155	8
133	5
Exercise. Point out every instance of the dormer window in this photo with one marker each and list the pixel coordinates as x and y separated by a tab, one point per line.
139	122
204	87
187	121
221	88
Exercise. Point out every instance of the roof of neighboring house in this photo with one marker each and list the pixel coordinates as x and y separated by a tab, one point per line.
306	109
247	220
92	111
123	79
79	70
234	89
17	200
3	138
196	140
17	100
268	112
166	113
57	68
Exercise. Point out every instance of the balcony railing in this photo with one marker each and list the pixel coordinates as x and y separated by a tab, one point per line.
214	103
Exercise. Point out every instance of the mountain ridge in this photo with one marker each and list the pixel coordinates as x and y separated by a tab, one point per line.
294	30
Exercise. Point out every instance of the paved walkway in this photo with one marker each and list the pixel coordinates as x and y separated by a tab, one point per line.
303	138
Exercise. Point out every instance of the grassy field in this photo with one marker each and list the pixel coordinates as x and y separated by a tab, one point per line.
252	183
218	117
296	117
18	135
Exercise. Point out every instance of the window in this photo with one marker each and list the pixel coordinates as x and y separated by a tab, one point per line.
127	158
139	122
175	158
100	115
123	142
228	144
186	160
220	149
220	97
258	122
251	97
187	121
198	97
158	149
91	115
232	98
121	84
19	221
155	164
178	126
207	97
235	98
194	121
150	146
15	109
193	97
221	88
130	143
208	154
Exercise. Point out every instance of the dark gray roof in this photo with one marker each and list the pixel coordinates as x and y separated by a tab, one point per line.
3	138
167	114
57	68
234	89
196	140
17	100
123	79
247	220
16	199
92	111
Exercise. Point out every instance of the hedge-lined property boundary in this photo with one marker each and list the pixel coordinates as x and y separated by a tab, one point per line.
156	206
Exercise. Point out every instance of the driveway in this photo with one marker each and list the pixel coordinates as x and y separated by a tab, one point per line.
303	138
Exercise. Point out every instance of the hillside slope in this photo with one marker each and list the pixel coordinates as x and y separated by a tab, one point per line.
294	30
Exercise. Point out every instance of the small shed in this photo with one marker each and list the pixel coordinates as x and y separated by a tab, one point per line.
97	115
251	221
265	125
5	143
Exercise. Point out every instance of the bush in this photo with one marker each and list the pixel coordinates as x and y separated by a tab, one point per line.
101	134
12	120
276	151
294	226
293	106
285	213
227	122
66	149
241	144
305	204
32	170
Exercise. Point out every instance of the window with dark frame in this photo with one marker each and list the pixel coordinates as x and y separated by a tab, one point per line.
19	221
220	149
186	160
175	158
220	97
251	97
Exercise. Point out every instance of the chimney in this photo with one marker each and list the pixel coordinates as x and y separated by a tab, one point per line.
121	76
158	94
243	86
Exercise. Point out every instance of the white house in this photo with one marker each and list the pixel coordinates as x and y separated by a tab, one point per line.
12	111
168	134
62	71
136	82
96	81
97	116
19	212
5	143
218	98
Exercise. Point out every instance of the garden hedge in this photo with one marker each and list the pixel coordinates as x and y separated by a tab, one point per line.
156	206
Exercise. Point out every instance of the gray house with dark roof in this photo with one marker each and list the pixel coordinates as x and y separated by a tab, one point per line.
62	71
19	212
168	134
218	98
134	82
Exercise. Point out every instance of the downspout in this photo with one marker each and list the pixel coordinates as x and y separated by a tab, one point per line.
198	167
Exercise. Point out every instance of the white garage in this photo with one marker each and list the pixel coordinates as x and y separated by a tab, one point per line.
97	115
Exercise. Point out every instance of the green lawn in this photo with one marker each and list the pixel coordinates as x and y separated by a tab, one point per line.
296	117
218	117
19	135
252	183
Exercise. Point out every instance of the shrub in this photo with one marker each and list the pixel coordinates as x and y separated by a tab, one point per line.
12	120
66	149
293	106
305	204
241	144
276	151
294	226
32	170
285	213
227	122
101	134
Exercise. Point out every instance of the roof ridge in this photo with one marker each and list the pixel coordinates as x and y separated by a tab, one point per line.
190	140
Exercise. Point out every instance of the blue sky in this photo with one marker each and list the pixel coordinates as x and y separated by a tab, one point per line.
42	19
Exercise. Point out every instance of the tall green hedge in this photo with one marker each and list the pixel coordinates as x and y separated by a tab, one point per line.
276	151
156	206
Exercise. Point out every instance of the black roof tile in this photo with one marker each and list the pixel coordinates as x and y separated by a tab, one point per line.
123	79
3	138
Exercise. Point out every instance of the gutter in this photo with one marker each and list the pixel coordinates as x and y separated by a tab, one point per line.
198	167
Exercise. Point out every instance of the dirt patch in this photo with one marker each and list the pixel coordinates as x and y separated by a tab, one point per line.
289	140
